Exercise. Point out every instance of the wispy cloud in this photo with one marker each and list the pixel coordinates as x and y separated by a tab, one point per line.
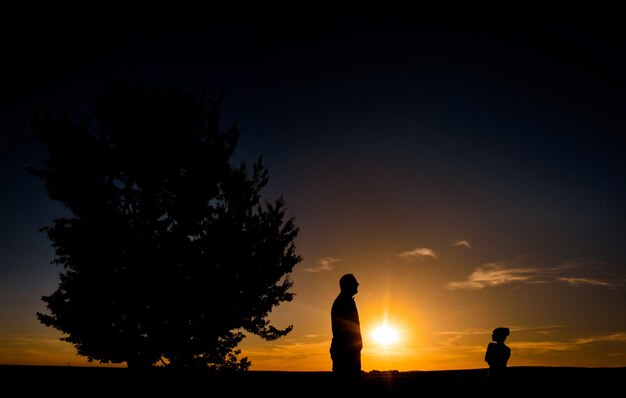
324	265
556	345
464	243
568	345
514	328
497	274
587	281
419	252
38	348
493	274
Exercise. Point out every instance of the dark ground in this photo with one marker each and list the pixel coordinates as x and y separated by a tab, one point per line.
522	382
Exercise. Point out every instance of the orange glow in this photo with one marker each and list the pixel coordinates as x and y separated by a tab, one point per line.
385	335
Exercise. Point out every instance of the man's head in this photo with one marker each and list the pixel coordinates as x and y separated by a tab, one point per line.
348	284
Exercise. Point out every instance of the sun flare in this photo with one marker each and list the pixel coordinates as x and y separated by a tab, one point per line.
385	335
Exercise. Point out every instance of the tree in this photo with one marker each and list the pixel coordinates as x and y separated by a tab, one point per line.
170	253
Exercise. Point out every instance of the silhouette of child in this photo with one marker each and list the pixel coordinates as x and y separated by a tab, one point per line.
497	355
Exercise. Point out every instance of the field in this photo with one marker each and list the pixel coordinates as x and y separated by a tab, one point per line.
100	381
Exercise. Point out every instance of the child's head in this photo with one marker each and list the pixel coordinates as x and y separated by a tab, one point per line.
500	334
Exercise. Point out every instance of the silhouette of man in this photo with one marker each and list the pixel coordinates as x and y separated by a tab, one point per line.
346	345
497	355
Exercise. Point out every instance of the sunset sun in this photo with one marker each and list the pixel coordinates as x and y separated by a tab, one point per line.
385	335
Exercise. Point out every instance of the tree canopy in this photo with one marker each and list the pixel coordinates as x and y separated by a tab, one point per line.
170	253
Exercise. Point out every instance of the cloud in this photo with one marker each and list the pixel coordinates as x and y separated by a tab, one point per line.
419	252
492	274
497	274
587	281
569	345
324	265
463	243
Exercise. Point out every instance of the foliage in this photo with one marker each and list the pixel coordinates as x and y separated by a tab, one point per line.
170	254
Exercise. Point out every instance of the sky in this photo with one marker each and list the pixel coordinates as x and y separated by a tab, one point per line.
466	165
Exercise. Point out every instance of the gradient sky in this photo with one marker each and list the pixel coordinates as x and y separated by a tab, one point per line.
468	166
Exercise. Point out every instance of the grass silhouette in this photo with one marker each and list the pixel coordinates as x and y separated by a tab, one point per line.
100	381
